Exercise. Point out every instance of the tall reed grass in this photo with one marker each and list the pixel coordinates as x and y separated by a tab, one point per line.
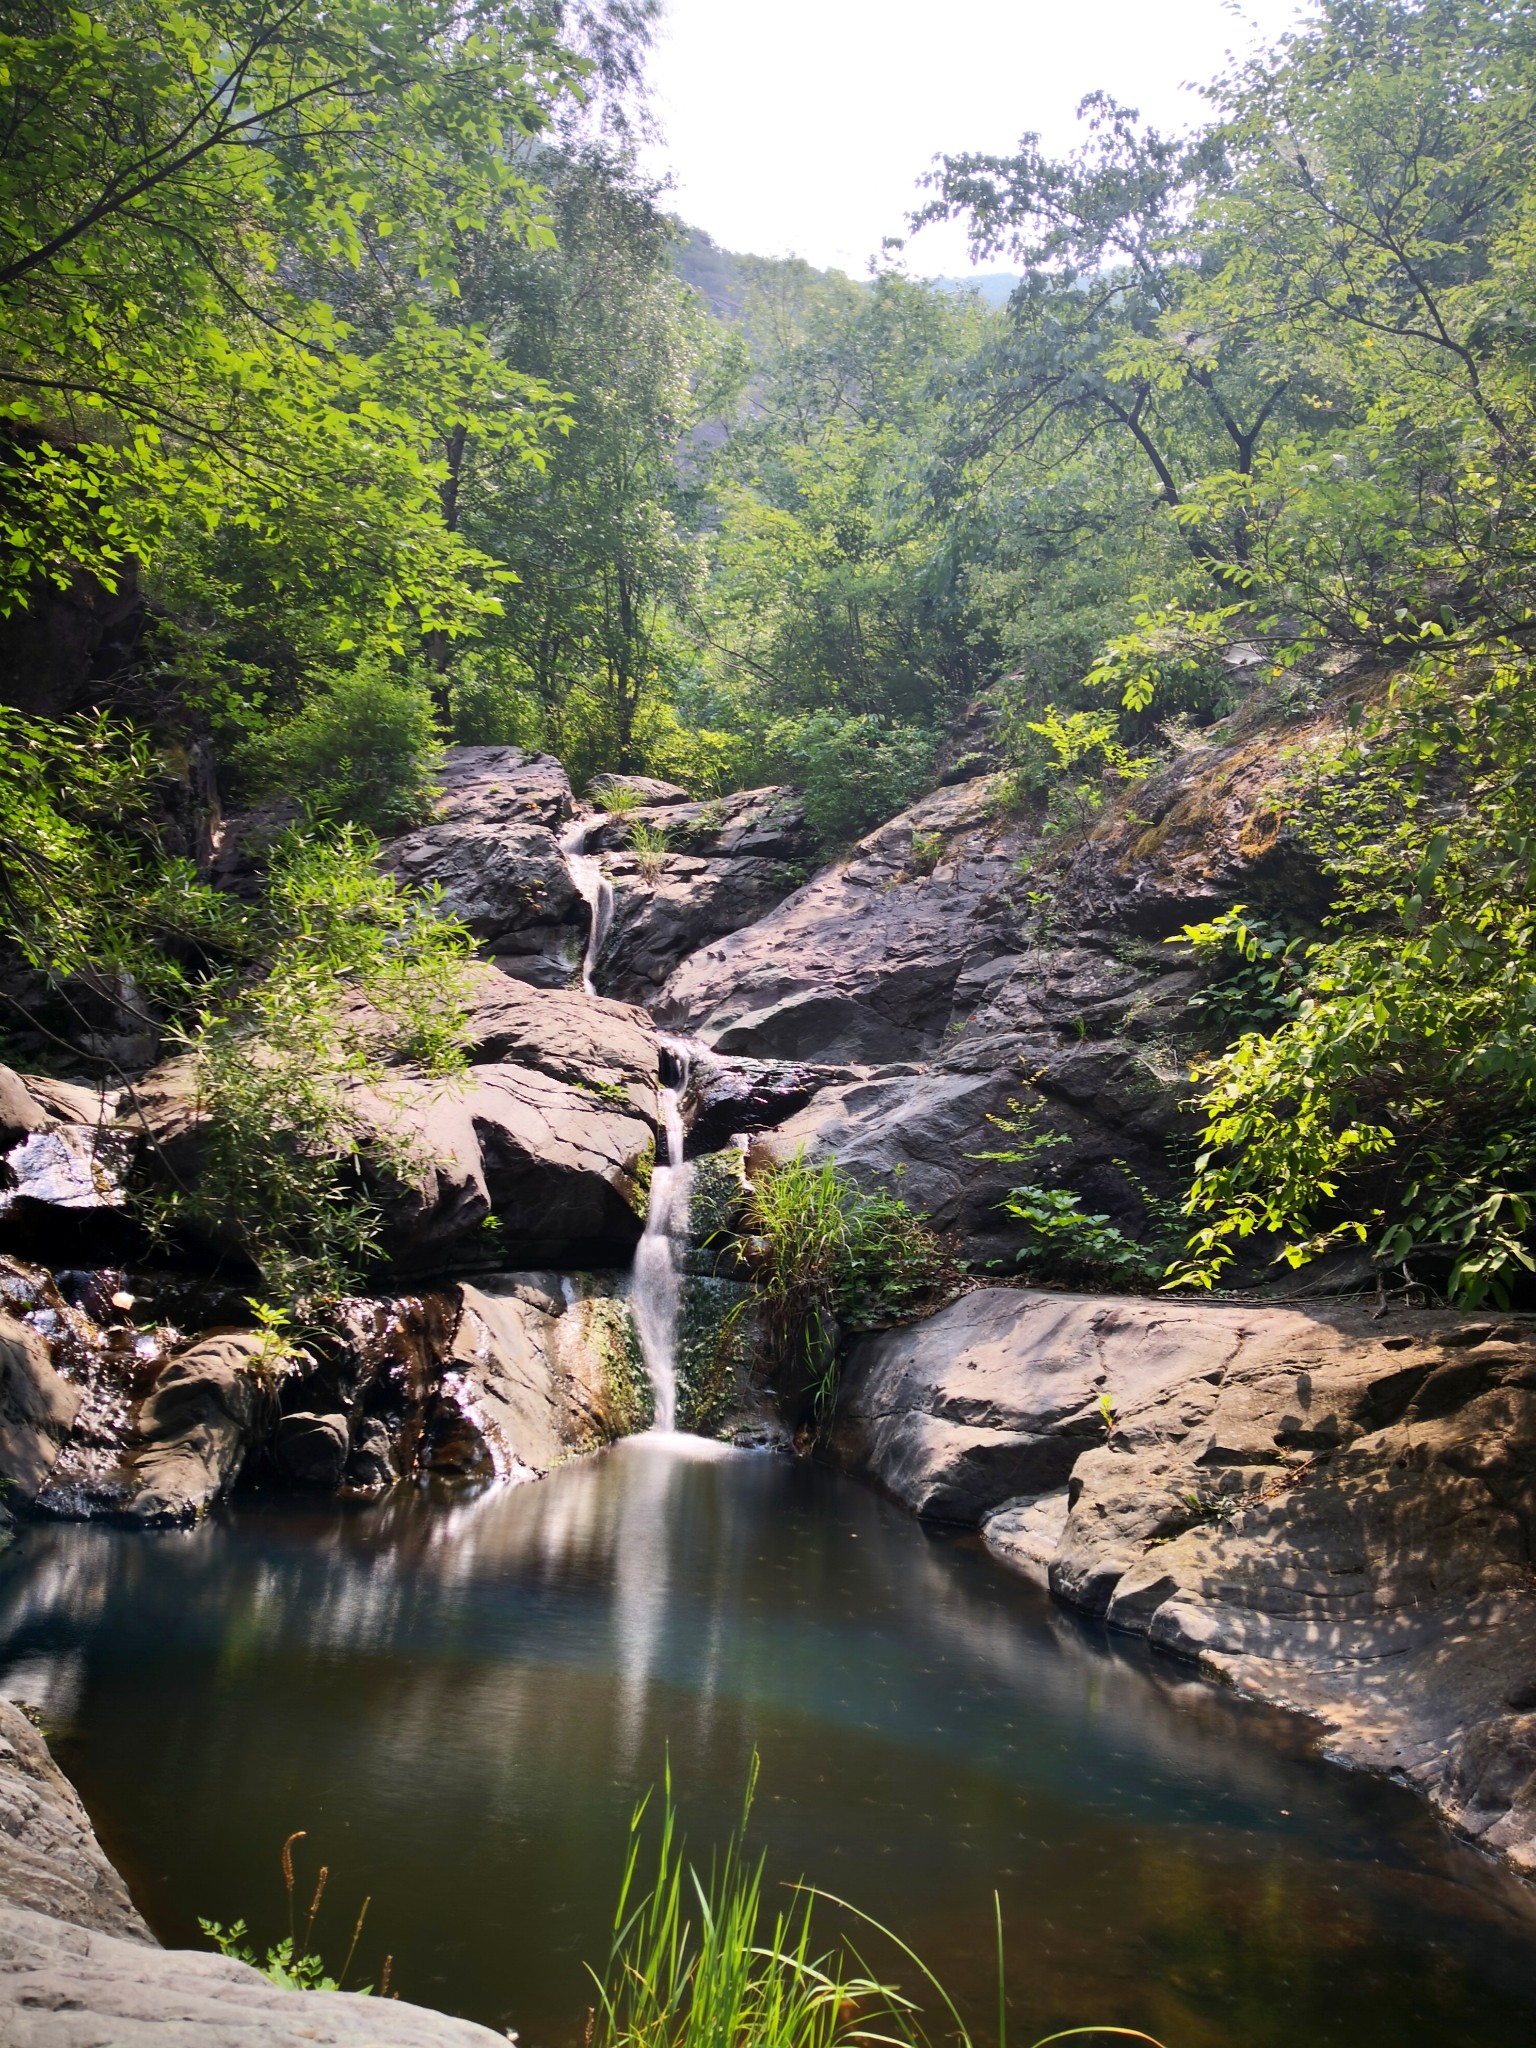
704	1959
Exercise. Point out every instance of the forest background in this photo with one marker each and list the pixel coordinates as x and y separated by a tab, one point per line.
353	338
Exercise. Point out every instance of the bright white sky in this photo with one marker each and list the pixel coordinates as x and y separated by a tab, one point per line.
800	127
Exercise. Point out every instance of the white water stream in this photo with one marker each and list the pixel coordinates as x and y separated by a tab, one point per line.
596	892
657	1285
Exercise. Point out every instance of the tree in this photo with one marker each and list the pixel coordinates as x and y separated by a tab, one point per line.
172	186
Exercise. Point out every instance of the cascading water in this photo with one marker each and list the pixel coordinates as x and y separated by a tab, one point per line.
657	1286
595	890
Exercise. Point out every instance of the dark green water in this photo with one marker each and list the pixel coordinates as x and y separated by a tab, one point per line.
460	1701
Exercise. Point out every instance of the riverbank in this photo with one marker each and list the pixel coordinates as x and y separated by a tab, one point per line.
79	1965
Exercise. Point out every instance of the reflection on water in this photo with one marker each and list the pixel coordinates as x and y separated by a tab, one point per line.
460	1699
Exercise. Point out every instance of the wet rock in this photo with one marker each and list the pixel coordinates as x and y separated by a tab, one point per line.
371	1466
51	1862
660	919
37	1409
193	1432
494	853
1326	1510
310	1450
726	1098
531	1376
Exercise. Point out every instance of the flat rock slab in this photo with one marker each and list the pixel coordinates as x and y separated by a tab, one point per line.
63	1986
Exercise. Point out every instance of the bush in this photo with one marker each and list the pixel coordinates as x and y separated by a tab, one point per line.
1063	1244
1393	1103
854	773
364	750
360	973
824	1252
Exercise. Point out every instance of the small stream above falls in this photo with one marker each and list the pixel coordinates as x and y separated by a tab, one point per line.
460	1696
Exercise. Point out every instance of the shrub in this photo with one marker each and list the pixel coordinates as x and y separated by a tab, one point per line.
1395	1105
85	887
854	773
1064	1244
364	750
359	972
824	1252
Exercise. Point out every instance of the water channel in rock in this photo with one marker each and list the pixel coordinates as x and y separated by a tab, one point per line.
460	1697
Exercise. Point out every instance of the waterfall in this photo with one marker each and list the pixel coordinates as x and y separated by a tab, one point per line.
595	890
657	1288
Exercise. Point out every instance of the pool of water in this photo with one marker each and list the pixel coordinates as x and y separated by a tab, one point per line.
460	1699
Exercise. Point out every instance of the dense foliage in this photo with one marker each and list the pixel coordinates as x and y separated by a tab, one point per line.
356	336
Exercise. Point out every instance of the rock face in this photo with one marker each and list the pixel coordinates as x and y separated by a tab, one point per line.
37	1409
188	1439
938	987
863	963
728	864
52	1863
495	854
79	1969
550	1134
531	1376
500	1379
1329	1511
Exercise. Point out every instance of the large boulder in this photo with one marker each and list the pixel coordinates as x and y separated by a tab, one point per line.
191	1435
494	853
1324	1508
52	1862
63	1986
550	1133
864	962
562	1171
607	1048
536	1369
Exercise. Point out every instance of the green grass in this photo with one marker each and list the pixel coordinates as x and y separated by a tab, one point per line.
650	845
705	1959
826	1254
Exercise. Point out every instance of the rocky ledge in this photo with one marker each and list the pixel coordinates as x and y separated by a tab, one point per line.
79	1968
1329	1511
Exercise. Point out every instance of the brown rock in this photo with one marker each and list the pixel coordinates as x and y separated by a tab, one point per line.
1329	1511
37	1408
52	1862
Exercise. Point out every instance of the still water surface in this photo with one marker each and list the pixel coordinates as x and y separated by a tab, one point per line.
460	1700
